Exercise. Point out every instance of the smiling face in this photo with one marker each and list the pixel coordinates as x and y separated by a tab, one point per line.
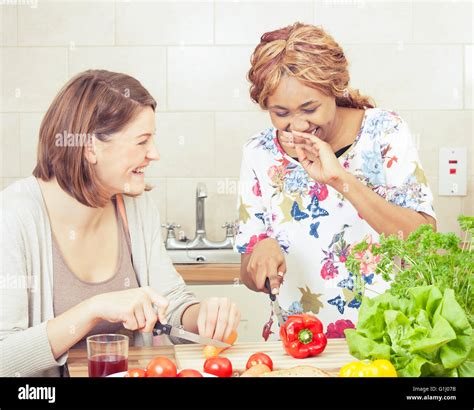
120	161
296	107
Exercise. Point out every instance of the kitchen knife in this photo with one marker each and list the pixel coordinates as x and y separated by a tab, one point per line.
275	305
169	330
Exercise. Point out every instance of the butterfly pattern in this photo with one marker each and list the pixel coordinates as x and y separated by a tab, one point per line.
368	279
339	303
297	214
260	215
354	303
314	208
313	230
348	282
315	225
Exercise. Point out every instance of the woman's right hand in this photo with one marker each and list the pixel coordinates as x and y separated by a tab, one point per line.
267	260
132	307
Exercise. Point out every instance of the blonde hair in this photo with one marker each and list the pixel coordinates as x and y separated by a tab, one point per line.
309	54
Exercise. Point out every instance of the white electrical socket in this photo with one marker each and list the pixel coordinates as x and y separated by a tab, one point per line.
452	172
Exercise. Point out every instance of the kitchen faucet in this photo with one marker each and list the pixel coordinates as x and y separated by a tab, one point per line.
200	241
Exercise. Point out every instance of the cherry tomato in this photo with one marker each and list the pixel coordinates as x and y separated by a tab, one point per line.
189	373
260	358
161	367
218	366
135	373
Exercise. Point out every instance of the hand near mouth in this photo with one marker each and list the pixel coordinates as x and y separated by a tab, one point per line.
316	157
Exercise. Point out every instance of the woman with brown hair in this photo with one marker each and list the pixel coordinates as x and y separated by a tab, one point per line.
332	171
81	242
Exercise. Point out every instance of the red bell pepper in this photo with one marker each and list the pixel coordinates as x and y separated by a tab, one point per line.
302	336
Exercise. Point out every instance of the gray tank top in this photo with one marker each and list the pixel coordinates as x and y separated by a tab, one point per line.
69	290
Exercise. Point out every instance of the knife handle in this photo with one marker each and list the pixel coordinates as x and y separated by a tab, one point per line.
161	329
267	286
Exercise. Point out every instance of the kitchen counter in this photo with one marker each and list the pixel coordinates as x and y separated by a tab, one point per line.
190	356
199	274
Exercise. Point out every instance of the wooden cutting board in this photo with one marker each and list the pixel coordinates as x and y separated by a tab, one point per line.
331	360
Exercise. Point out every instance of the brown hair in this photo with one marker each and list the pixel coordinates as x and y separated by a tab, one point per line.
311	55
93	103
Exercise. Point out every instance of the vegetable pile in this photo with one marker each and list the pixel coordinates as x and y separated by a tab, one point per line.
423	323
159	367
424	258
426	334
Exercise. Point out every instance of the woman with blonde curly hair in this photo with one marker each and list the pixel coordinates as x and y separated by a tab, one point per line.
332	171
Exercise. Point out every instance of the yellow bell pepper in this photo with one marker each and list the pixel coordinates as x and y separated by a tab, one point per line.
367	368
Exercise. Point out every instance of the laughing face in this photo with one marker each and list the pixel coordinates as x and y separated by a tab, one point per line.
121	161
296	107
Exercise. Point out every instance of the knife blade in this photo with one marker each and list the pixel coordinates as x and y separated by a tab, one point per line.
169	330
275	305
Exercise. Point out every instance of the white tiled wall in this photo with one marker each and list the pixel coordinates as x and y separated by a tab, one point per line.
239	22
414	57
79	23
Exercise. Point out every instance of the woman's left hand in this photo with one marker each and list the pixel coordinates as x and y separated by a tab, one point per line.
317	158
217	318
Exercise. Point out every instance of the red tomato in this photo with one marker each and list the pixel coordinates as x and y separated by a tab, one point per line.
135	373
260	358
161	367
189	373
218	366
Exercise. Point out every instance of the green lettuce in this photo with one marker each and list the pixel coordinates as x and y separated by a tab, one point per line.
426	334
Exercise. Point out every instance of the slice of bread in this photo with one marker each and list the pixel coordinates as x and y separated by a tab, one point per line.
298	371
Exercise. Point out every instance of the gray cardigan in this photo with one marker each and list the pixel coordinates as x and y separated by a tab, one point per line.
26	275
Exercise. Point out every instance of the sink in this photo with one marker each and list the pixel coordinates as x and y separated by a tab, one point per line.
204	256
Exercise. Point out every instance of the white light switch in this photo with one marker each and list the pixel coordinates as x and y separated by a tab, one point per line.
452	172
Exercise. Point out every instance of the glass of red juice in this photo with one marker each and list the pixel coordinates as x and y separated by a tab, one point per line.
107	354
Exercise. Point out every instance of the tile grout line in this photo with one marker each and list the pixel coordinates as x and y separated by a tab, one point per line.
214	144
463	75
115	23
19	137
214	23
229	45
159	112
68	63
167	79
17	26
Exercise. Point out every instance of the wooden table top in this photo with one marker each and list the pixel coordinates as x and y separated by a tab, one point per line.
188	356
335	355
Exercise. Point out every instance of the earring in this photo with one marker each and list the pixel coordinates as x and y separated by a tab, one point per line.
345	93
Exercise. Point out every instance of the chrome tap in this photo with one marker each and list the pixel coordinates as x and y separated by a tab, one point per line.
171	242
228	242
201	195
200	241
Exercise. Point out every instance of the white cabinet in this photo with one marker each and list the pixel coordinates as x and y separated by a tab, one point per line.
255	307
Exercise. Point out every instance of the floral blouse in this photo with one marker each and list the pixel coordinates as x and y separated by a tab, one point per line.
315	225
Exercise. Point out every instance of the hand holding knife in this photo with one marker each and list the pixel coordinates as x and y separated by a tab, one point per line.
165	329
275	305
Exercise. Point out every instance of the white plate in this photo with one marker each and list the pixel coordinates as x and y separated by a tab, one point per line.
122	374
